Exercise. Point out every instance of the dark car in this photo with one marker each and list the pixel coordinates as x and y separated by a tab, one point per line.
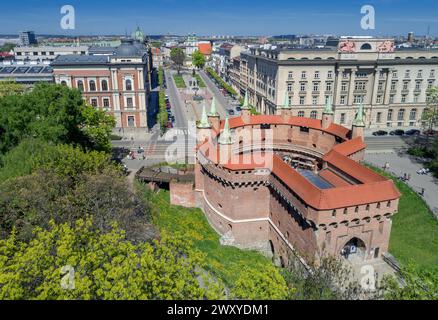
397	132
380	133
412	132
430	132
230	112
238	108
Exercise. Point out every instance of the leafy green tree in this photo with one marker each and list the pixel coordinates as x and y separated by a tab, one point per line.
95	188
163	116
261	284
178	57
97	126
7	47
106	266
330	279
413	283
430	113
52	113
66	160
198	59
9	87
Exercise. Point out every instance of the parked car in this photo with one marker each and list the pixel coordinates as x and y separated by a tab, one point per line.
412	132
430	132
230	112
397	132
380	133
169	125
238	108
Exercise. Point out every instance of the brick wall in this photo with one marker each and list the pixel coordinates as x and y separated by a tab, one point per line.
182	194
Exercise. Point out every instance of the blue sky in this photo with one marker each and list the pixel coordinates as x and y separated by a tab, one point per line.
225	17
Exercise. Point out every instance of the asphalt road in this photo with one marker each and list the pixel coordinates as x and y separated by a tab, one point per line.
177	106
221	101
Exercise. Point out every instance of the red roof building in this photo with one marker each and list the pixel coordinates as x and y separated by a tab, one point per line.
205	48
293	186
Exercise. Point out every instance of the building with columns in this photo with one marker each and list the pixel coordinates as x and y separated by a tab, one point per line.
390	83
293	186
118	83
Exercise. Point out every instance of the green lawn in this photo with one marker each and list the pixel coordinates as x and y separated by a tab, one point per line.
179	81
200	81
414	234
223	261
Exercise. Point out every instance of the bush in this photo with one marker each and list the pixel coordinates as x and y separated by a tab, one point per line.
163	116
221	82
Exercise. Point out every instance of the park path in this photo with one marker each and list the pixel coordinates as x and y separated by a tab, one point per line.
401	163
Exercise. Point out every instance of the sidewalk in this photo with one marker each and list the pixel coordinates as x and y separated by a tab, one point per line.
401	164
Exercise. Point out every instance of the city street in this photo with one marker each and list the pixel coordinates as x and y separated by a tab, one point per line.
221	101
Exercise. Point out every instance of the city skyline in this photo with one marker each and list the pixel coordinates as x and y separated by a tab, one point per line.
393	17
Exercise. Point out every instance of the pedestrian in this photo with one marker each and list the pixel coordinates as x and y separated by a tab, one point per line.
422	192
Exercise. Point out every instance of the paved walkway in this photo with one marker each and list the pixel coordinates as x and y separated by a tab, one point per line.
403	163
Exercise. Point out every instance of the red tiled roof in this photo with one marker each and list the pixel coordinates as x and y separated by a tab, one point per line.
352	168
205	48
333	178
372	187
334	129
333	198
350	146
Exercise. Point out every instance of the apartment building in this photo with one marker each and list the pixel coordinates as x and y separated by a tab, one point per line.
117	83
390	83
47	53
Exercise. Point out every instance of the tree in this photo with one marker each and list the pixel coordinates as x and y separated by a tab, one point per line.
65	160
198	59
53	113
97	126
413	284
330	279
261	284
102	265
178	57
68	184
7	47
430	113
163	116
9	87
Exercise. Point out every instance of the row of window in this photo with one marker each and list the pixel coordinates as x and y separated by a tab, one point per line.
106	102
103	85
360	86
360	74
400	116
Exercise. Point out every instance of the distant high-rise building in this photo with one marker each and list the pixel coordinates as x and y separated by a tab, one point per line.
410	37
27	38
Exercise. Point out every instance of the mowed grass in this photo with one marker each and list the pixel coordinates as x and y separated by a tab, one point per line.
200	81
224	262
179	81
414	235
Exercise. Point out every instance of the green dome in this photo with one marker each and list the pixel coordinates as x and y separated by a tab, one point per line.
138	35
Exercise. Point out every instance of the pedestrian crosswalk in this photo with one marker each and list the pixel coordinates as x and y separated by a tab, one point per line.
388	144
